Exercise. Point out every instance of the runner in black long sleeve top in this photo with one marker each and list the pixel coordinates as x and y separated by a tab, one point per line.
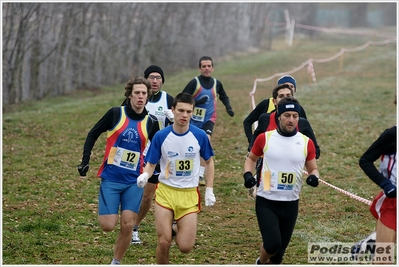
264	124
207	82
265	106
108	121
129	129
205	89
383	207
384	145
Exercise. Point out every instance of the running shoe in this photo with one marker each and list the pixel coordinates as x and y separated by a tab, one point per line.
115	262
173	231
135	238
202	181
361	246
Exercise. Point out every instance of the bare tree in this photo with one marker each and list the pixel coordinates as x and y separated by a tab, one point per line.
17	24
53	48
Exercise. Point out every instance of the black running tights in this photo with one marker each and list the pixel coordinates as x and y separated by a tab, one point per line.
276	220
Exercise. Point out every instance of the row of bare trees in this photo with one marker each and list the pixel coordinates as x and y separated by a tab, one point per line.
53	48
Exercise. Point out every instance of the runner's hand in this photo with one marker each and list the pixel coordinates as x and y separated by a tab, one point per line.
209	197
230	111
142	179
249	180
389	188
312	180
82	169
169	115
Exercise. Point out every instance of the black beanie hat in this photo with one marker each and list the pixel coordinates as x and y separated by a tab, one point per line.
154	68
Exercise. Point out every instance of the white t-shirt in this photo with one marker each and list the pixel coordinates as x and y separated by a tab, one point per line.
283	161
179	155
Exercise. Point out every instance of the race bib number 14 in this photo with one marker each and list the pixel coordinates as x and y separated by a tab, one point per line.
199	114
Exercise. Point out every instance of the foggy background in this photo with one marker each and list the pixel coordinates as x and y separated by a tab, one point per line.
51	49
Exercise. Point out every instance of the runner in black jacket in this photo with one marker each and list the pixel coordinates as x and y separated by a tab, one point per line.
264	124
383	206
128	130
205	90
267	106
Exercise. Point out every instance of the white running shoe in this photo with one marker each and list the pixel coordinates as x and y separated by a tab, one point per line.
135	238
115	262
361	246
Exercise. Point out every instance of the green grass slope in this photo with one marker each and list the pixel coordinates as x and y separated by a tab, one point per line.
50	213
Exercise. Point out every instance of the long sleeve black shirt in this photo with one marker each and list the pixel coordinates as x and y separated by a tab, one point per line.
108	121
384	145
261	108
207	82
303	127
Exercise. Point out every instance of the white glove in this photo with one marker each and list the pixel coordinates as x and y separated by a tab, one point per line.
169	115
209	197
142	179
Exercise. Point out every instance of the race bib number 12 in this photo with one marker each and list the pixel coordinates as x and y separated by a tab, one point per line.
124	158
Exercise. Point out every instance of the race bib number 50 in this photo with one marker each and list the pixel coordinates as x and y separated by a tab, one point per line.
283	181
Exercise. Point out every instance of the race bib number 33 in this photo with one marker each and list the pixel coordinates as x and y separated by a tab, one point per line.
184	167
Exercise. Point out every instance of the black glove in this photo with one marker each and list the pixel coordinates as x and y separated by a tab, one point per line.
250	181
312	180
82	169
230	111
389	188
201	101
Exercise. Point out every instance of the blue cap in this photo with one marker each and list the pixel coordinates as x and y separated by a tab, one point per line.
287	79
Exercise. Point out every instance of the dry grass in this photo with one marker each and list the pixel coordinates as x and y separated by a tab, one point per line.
50	213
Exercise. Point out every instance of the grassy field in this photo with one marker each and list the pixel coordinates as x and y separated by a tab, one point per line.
50	213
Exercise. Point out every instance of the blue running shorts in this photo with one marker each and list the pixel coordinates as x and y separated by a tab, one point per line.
113	195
